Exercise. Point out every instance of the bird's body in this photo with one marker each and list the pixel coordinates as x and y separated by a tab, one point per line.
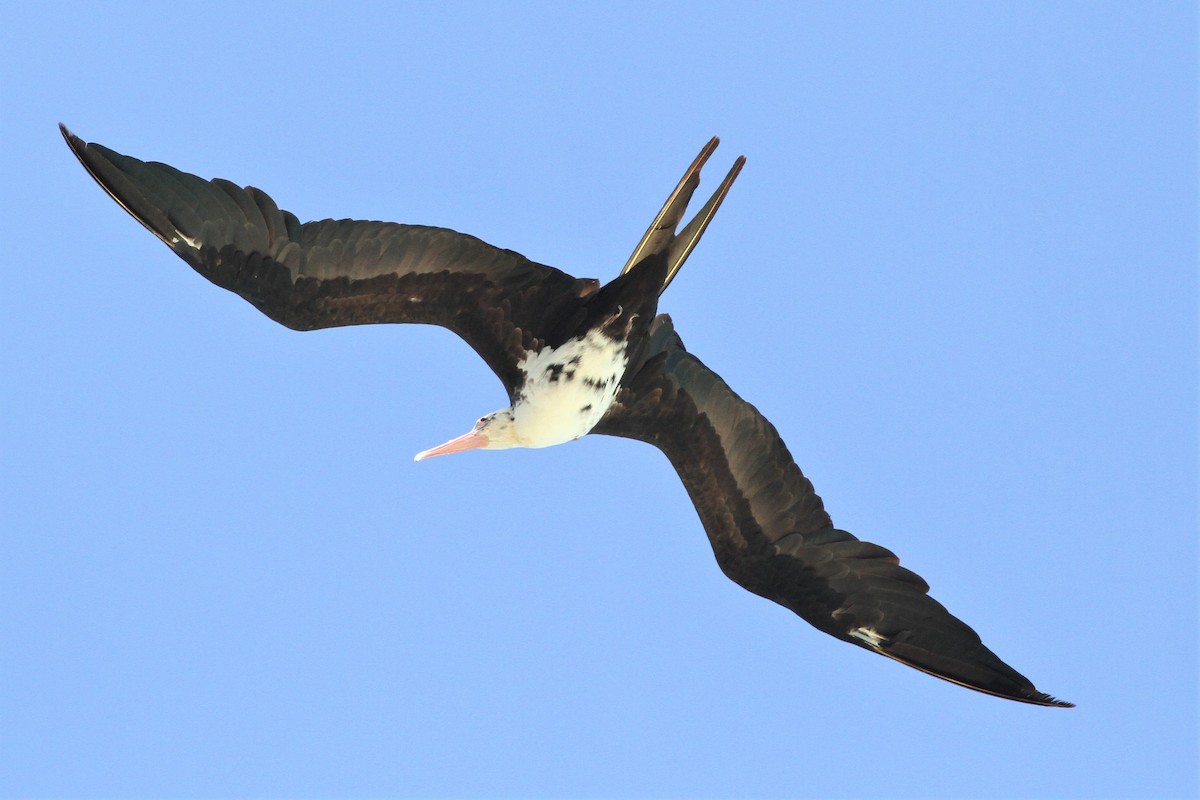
575	358
568	389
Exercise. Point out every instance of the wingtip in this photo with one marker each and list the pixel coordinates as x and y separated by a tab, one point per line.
76	144
989	675
1042	699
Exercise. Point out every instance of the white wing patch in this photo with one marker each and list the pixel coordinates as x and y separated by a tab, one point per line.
869	636
192	243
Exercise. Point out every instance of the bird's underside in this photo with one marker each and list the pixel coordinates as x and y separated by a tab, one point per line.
767	527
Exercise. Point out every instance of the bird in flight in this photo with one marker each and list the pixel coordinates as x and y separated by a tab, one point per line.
576	357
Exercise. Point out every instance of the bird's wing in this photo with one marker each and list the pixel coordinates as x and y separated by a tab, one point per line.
340	272
771	534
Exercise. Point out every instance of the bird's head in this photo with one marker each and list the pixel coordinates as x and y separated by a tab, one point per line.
496	431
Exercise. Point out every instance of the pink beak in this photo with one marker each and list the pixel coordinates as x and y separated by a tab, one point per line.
468	441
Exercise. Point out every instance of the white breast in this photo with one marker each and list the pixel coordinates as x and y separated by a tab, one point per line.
567	389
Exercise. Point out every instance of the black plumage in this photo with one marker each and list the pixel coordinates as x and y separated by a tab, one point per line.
771	534
768	529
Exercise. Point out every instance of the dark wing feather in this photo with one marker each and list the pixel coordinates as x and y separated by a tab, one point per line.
342	272
771	534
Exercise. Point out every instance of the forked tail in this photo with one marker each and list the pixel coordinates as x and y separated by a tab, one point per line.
661	236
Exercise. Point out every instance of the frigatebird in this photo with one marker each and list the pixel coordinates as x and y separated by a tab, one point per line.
576	358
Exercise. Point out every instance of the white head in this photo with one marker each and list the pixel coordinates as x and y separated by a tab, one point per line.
496	431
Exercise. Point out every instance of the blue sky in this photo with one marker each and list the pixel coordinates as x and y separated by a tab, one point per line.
958	273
